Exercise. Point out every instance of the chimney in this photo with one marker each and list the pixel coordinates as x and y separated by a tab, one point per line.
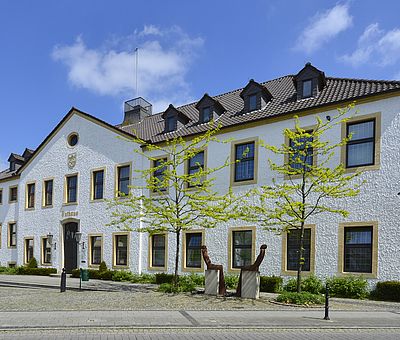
135	110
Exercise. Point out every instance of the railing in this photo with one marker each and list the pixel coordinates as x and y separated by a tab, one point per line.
134	103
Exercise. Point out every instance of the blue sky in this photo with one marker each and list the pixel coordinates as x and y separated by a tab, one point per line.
59	54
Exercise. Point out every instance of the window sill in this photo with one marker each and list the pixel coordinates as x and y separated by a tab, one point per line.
120	266
46	264
294	272
11	202
12	247
69	203
29	209
248	182
94	266
98	200
47	206
364	275
164	269
362	168
193	270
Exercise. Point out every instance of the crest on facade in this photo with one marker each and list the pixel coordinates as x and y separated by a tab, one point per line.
71	160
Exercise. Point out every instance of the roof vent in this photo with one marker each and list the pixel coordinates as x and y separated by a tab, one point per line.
135	110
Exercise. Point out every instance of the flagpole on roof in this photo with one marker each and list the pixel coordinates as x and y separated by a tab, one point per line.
136	69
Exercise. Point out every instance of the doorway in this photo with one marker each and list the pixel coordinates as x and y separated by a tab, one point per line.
70	246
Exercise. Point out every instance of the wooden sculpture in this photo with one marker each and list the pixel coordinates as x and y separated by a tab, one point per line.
211	266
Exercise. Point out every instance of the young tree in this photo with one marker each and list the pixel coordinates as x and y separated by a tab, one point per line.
310	185
167	198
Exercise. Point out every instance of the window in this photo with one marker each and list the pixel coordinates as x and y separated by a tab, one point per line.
252	102
193	242
244	161
12	234
98	185
292	249
207	114
171	123
123	180
28	249
303	153
1	196
360	150
307	88
13	197
30	196
158	251
195	164
95	250
1	233
121	250
73	139
358	249
242	248
48	193
72	189
46	251
158	174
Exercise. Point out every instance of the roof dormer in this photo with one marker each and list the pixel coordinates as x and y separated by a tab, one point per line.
208	108
255	96
16	161
309	82
174	119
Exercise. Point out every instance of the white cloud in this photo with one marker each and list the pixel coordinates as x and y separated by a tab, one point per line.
3	163
165	57
323	27
375	46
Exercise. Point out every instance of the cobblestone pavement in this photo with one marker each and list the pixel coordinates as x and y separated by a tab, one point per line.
181	334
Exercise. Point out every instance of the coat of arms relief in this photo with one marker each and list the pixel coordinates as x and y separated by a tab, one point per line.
71	160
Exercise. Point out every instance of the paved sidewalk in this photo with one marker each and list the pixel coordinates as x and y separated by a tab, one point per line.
199	319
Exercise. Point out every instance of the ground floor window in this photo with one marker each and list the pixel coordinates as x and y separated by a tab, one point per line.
12	234
46	251
193	249
28	249
358	249
242	251
292	249
121	250
158	250
95	249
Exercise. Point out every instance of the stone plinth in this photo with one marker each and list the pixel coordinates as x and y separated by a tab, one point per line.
250	285
211	282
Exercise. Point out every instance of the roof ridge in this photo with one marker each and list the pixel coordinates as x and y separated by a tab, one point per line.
365	79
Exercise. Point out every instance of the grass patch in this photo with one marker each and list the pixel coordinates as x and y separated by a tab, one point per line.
303	298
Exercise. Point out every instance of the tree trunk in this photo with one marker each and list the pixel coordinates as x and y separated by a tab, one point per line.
301	260
178	234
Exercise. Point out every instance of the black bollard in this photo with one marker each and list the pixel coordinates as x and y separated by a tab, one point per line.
326	317
63	285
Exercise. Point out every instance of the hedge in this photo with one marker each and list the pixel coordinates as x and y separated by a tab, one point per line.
387	290
164	278
270	284
35	271
95	274
348	287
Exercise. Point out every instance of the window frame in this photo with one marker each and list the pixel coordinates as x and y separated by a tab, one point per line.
185	268
29	195
231	268
90	250
150	252
44	193
28	238
374	252
93	173
114	245
161	191
10	188
117	179
303	82
256	96
284	270
44	239
233	182
171	118
210	114
9	234
188	167
377	143
360	141
66	189
1	196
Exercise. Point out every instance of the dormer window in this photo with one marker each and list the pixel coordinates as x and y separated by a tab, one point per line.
307	88
172	117
253	102
206	114
170	124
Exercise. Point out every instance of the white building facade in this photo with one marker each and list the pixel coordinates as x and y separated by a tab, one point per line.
59	190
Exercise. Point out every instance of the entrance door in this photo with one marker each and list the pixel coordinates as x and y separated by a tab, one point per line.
70	247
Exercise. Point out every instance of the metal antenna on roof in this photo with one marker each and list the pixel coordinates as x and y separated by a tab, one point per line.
136	69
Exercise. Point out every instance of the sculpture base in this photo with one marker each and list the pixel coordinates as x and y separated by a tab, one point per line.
250	285
211	282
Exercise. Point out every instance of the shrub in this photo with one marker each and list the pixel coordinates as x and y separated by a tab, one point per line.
143	278
35	271
106	275
168	288
121	275
102	266
8	270
164	278
270	284
32	263
198	280
311	284
303	298
185	285
75	273
387	290
231	281
348	287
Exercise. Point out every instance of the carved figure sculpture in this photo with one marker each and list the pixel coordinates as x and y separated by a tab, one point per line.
252	268
211	266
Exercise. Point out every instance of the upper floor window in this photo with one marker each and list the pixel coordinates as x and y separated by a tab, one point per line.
30	196
171	123
242	248
307	88
72	189
196	164
207	114
302	153
13	194
244	161
253	102
159	174
360	150
97	184
73	139
123	180
48	193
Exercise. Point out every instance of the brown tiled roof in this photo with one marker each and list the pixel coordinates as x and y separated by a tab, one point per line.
5	174
284	101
